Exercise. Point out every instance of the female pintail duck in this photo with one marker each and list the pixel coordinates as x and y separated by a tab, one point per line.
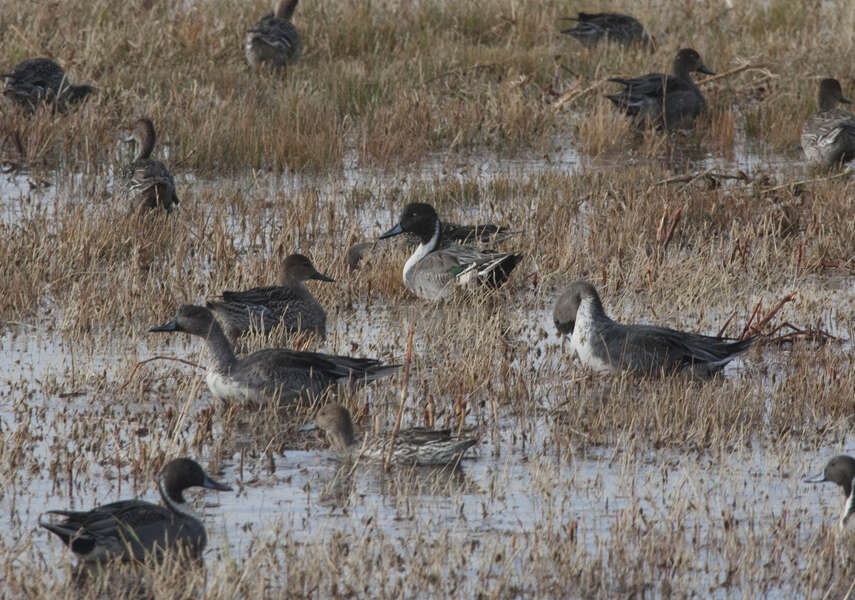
146	180
591	28
40	80
264	308
434	271
133	530
274	373
274	38
417	446
840	470
669	101
828	137
603	345
450	233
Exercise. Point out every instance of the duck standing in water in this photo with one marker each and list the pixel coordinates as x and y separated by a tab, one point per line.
435	270
667	101
274	38
41	81
147	182
134	530
606	346
273	373
417	446
263	308
828	136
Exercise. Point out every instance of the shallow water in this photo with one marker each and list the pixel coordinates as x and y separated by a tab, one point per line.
506	487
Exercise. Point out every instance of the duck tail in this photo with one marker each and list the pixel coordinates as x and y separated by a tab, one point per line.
380	371
494	273
67	531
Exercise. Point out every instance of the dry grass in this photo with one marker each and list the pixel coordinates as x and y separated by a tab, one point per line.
397	82
584	486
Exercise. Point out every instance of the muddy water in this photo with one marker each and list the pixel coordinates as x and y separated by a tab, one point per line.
502	489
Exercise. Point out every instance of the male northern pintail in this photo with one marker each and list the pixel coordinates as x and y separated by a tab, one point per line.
434	271
450	233
828	137
273	373
591	28
417	446
669	101
40	80
604	345
274	39
263	308
133	530
147	182
840	470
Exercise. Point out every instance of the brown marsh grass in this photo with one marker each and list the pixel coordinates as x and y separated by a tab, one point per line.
398	81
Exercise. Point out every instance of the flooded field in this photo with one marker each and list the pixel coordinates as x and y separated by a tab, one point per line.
580	484
698	513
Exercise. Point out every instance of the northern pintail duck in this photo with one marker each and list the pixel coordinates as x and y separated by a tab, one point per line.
263	308
147	181
828	137
840	470
274	39
604	345
273	373
451	233
417	446
434	271
591	28
134	530
669	101
40	80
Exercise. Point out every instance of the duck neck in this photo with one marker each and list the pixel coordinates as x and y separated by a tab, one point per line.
426	246
341	436
174	500
220	347
293	283
591	314
146	146
681	70
285	9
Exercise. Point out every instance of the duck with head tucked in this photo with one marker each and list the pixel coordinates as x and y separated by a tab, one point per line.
134	530
263	308
592	28
417	446
274	373
603	345
435	270
41	81
274	39
828	136
667	101
147	182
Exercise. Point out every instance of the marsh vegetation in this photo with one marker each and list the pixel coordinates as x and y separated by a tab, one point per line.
581	485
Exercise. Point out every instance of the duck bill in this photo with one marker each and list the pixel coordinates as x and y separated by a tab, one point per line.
705	70
308	427
818	478
844	100
171	326
321	277
396	230
212	484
